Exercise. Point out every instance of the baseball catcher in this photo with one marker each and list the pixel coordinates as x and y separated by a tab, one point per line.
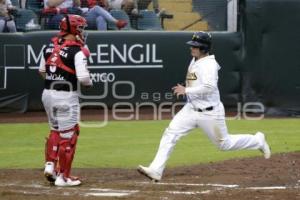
63	66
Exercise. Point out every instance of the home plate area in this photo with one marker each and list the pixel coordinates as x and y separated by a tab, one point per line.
249	178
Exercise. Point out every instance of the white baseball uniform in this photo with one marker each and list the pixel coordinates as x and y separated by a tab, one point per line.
203	110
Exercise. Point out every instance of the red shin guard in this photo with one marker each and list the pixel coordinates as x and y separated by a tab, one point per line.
66	153
51	146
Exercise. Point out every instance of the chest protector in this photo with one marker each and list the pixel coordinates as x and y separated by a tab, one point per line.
61	72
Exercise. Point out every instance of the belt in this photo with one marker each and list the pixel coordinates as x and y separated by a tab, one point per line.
204	109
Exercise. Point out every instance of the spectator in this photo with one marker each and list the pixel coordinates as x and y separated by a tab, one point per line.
93	10
132	6
144	4
6	18
126	5
97	15
55	10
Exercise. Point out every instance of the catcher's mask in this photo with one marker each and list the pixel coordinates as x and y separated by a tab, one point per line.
201	40
73	24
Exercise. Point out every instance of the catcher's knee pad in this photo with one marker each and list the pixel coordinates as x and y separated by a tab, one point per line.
67	146
51	146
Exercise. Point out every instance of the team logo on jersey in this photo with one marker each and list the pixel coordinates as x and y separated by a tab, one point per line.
52	69
191	76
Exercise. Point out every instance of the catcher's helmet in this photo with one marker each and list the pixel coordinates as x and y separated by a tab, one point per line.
202	40
73	24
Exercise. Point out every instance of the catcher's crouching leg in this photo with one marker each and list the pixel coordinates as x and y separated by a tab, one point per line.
67	147
51	153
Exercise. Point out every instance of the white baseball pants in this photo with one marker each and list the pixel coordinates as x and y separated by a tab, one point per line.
214	126
62	109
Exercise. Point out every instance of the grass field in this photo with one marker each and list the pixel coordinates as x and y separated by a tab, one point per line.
129	143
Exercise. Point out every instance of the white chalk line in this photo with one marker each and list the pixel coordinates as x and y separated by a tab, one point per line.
69	190
33	185
189	192
217	186
267	188
110	192
119	192
194	184
210	191
107	194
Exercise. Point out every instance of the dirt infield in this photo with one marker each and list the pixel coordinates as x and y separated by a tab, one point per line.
240	179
